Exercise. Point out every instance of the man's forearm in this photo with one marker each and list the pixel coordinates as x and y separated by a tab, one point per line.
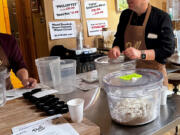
150	54
22	74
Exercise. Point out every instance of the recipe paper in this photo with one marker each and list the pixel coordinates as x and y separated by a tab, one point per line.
45	127
16	93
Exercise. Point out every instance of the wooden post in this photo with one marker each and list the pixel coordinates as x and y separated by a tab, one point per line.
26	34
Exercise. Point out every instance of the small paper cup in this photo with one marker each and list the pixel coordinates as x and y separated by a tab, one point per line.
76	109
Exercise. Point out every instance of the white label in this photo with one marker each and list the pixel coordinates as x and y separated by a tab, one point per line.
152	36
66	29
96	9
95	27
66	9
44	93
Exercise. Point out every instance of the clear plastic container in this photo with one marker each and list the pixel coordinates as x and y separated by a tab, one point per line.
49	71
136	101
178	41
79	36
3	76
173	8
108	37
104	65
68	76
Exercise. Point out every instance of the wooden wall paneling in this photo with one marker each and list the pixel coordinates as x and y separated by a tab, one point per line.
49	17
88	41
161	4
113	19
156	3
41	40
113	15
176	25
25	27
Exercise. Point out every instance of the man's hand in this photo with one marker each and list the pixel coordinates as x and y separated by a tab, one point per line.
132	53
29	83
114	52
23	75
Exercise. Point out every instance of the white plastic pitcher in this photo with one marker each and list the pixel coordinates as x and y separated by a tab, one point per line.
68	76
3	76
49	71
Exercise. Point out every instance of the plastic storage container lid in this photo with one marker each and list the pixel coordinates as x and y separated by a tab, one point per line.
47	59
134	79
106	60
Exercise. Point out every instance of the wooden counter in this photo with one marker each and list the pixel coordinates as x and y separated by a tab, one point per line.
19	111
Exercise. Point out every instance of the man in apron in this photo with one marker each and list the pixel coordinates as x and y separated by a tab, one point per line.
144	33
11	58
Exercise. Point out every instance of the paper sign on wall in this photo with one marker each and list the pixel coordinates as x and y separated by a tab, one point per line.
66	29
95	27
96	9
66	9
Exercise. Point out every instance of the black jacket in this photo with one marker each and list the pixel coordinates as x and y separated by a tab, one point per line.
159	23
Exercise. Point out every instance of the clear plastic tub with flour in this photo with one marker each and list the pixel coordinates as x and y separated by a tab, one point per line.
105	65
134	101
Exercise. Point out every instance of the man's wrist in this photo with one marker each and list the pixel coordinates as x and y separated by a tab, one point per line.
143	54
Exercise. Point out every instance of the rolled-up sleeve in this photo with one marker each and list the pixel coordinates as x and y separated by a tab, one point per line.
119	36
14	55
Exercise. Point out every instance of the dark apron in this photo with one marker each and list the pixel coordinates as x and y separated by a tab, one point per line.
4	62
135	37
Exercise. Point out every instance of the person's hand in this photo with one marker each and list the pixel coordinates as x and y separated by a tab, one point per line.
114	52
132	53
29	83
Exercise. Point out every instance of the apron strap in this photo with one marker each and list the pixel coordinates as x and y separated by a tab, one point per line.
146	17
130	18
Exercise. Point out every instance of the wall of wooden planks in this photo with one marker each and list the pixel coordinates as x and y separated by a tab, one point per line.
26	35
113	19
34	30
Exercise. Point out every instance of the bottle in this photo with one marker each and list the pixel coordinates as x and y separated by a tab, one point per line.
79	37
79	41
108	37
178	41
105	36
99	43
171	13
